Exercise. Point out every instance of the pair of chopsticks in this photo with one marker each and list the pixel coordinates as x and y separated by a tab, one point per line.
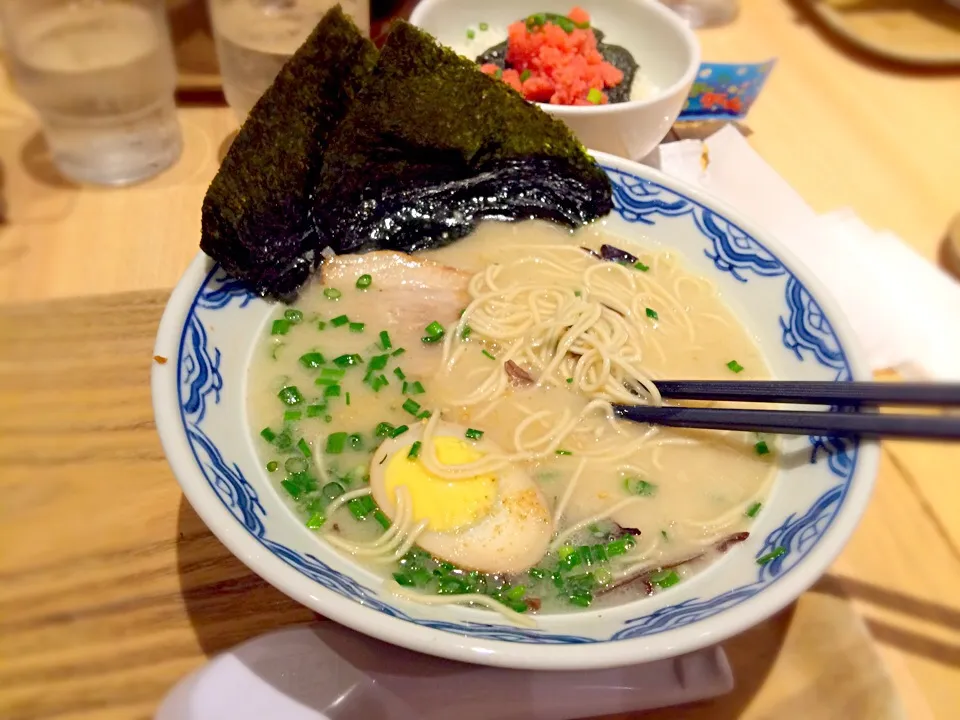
857	402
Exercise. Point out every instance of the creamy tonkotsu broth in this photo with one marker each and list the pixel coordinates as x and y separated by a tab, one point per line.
513	485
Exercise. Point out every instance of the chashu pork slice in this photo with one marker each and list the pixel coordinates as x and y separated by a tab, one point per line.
405	295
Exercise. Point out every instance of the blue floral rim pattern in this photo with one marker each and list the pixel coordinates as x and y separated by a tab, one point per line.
805	331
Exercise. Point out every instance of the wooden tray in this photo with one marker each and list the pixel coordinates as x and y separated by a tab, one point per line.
915	32
113	589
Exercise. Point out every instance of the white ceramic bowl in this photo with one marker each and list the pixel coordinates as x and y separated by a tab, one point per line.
208	333
660	41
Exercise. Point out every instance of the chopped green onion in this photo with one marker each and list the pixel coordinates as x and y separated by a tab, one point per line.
524	76
356	327
312	360
315	410
414	451
516	592
414	388
411	406
398	352
383	429
382	518
640	266
771	556
268	434
340	321
332	294
399	373
321	325
761	448
563	452
537	573
345	361
635	486
385	340
378	362
489	355
581	600
595	96
347	398
472	434
325	381
333	373
465	333
290	395
434	330
471	34
292	415
361	507
292	488
332	490
398	431
403	578
484	27
304	448
735	366
331	391
424	415
664	533
616	547
753	510
652	314
335	443
316	521
272	466
280	327
276	348
328	418
283	441
378	382
577	293
295	465
665	578
356	442
363	282
569	381
294	316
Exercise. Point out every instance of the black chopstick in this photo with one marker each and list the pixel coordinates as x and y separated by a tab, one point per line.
814	393
924	427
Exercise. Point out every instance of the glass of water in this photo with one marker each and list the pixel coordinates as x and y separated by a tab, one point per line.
101	75
254	38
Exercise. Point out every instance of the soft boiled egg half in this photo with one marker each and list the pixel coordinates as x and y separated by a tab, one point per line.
496	522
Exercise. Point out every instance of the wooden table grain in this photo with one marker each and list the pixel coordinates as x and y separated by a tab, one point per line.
110	586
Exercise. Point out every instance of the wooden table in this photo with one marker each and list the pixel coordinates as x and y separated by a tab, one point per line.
110	586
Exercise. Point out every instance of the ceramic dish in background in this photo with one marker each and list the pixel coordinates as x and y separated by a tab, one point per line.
665	48
208	333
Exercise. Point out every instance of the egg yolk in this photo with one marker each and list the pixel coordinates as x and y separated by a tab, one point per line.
446	504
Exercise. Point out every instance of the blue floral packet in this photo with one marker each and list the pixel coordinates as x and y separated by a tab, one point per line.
725	91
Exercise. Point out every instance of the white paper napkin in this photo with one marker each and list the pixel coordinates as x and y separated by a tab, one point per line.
327	672
904	310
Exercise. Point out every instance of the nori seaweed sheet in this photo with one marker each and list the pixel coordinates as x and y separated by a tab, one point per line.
255	217
432	145
617	56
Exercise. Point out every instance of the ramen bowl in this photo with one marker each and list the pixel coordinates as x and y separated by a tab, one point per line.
822	486
662	44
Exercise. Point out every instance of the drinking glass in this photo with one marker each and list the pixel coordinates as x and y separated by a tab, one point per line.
254	38
101	76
